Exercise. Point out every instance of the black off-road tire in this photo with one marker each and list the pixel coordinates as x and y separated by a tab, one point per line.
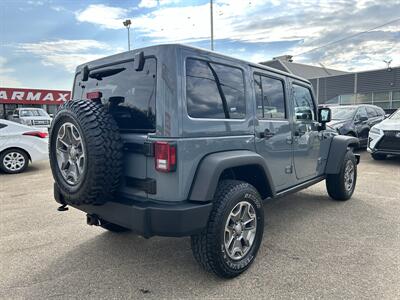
113	227
378	156
335	183
13	150
102	149
208	246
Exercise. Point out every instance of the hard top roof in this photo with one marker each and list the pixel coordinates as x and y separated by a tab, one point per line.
128	54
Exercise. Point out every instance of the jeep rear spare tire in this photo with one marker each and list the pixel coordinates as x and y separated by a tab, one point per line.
85	153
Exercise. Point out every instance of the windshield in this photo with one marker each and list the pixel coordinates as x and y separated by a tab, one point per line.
395	115
131	94
32	113
342	113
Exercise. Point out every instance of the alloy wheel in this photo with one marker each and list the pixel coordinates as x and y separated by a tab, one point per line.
14	161
70	153
349	175
240	230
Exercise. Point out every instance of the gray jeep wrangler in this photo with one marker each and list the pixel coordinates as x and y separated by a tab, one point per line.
173	140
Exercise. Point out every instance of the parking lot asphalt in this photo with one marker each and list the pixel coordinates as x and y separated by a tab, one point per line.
313	247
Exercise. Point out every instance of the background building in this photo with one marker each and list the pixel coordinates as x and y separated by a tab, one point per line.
11	98
378	87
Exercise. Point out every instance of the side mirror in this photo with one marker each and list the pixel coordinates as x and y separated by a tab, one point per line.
138	62
363	118
51	115
15	116
324	115
387	116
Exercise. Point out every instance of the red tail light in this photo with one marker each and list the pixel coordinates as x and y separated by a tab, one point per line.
94	95
165	156
38	134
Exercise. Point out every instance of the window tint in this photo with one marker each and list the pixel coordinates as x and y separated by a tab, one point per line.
380	111
214	91
134	104
371	112
303	103
361	112
270	98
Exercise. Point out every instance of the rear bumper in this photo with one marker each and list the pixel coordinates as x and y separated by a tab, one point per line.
149	218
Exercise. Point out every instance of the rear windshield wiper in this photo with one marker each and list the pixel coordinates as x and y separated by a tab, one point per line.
100	74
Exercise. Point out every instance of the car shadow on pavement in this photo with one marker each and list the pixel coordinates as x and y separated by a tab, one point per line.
138	266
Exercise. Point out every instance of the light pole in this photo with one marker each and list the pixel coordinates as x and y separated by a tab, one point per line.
212	25
127	23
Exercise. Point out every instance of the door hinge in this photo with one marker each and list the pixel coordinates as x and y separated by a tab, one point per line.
148	185
147	148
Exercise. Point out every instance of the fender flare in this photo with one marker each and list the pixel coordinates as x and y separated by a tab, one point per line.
337	151
211	167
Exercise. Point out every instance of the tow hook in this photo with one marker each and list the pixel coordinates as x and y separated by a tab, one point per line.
92	220
63	207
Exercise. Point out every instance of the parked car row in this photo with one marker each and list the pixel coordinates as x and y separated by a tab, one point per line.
377	132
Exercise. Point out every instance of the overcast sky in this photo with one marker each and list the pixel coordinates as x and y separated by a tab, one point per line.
43	41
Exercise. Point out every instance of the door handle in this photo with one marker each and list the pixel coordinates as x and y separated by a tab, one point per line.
266	134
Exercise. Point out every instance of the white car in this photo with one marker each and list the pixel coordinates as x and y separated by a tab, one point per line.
36	117
20	144
384	138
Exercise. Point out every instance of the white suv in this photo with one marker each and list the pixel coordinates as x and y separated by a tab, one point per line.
35	117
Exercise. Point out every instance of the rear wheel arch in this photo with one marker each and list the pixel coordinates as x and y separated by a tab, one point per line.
252	174
17	148
241	165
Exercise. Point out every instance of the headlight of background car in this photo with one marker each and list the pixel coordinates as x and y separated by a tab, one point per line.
375	130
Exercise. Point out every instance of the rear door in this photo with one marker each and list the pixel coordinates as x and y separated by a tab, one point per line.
130	98
361	123
307	139
273	130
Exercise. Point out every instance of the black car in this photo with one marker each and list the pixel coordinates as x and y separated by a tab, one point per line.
356	120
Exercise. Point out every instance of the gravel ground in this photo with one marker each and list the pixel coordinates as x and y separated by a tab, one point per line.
313	247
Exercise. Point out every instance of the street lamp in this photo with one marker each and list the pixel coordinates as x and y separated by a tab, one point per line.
127	23
212	25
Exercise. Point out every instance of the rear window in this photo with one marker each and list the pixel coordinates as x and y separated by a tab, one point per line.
214	91
371	112
2	125
130	93
380	111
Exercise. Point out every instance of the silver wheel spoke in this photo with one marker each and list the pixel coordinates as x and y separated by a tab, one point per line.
349	175
240	230
14	161
70	153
